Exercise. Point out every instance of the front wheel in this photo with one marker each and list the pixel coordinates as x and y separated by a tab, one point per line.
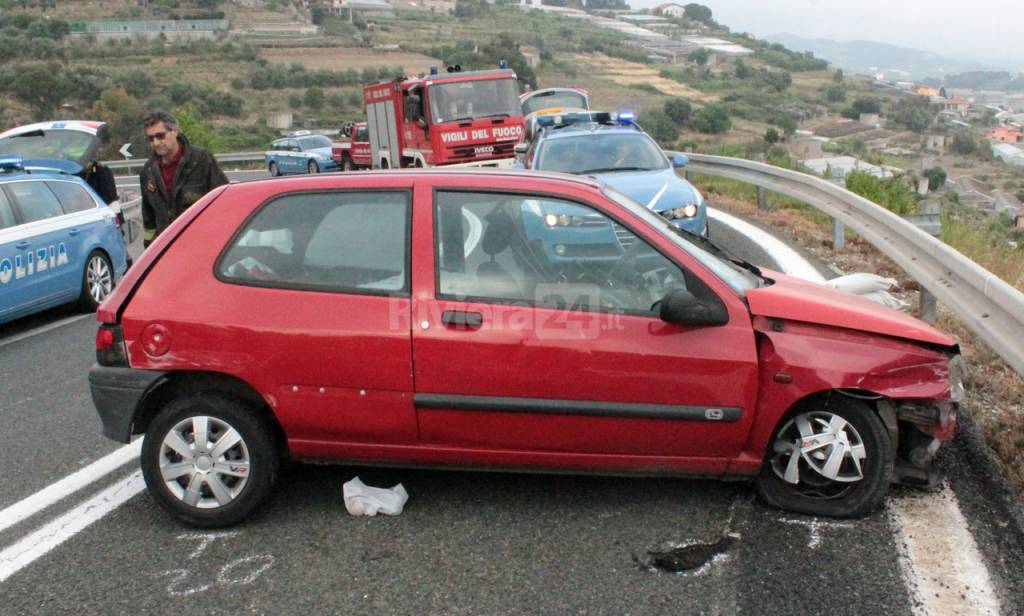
312	167
209	460
274	170
833	457
97	281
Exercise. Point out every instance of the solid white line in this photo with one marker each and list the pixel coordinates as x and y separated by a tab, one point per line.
939	560
36	545
789	260
44	329
74	482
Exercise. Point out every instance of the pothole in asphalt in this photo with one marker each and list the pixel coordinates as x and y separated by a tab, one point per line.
683	557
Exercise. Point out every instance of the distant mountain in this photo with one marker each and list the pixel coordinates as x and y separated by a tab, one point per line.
869	57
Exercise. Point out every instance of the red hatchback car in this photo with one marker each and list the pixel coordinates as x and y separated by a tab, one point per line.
500	320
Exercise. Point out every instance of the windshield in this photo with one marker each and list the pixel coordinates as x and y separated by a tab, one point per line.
731	274
468	100
562	99
316	141
70	145
601	153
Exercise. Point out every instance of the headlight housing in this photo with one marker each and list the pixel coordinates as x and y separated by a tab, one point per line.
957	378
562	220
687	211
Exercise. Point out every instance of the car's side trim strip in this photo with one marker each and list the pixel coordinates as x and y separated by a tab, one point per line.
549	406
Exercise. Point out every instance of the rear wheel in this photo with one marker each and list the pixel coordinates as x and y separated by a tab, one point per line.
346	164
384	163
97	281
274	171
209	460
312	167
833	457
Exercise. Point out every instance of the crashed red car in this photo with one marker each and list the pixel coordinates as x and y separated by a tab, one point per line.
500	320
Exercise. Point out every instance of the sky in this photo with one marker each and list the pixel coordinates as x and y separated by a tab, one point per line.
979	29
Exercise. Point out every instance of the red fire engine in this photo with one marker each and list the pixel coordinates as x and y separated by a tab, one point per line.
352	150
467	118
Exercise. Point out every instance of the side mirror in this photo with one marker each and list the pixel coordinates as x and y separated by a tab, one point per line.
521	148
412	108
679	160
680	307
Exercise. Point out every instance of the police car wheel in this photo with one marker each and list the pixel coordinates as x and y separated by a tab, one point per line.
209	460
97	281
313	167
274	171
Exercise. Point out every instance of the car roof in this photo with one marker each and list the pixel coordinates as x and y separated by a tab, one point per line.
84	126
590	128
37	174
447	172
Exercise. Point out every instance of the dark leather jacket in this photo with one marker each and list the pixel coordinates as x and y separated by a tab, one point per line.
197	174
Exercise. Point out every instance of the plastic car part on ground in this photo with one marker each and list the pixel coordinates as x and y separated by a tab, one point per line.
870	286
361	499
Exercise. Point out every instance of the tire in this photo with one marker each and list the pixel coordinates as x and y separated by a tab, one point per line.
249	466
274	170
97	281
855	487
312	167
346	164
384	163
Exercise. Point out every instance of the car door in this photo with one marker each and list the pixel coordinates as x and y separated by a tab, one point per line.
293	157
84	220
12	286
537	335
40	250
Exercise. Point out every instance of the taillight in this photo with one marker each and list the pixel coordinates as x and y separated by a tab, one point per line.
110	349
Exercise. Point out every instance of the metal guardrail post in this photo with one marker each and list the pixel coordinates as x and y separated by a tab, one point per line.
762	198
927	308
838	234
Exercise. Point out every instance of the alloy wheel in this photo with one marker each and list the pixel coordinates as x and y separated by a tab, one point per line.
99	278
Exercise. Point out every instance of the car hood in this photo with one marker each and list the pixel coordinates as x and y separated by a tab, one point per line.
799	300
643	186
324	151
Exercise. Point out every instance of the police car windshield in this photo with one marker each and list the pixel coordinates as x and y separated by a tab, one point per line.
562	99
600	152
315	141
467	100
59	144
738	278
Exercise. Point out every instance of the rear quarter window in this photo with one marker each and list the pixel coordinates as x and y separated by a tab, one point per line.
6	213
339	241
72	197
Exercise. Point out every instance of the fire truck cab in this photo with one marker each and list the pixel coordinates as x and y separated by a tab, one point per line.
470	118
352	150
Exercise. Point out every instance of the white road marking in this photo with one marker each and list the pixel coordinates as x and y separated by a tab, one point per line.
44	329
39	543
939	559
789	260
814	526
74	482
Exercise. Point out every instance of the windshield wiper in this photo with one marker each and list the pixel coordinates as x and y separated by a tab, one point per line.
612	169
502	114
715	249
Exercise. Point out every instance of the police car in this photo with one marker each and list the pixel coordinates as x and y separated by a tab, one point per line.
613	149
300	152
59	242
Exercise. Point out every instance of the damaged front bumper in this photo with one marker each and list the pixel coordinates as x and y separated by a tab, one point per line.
921	428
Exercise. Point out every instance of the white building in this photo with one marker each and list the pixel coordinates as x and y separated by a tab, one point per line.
1009	154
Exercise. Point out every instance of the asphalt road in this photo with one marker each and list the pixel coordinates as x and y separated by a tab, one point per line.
467	543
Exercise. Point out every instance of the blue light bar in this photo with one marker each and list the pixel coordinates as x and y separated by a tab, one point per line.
12	163
625	117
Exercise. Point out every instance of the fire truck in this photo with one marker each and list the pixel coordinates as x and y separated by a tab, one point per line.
352	150
470	118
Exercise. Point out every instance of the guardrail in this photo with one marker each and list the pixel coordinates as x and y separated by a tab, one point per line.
234	157
993	309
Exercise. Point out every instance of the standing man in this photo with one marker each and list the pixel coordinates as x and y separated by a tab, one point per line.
175	176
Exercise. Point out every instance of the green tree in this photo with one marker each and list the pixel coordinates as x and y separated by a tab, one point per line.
700	56
963	144
660	126
936	177
314	98
698	12
123	114
891	193
678	109
712	119
778	80
41	86
835	93
1020	195
195	128
867	105
914	112
771	136
837	77
742	70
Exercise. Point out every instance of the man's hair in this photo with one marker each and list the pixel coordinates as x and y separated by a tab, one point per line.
160	116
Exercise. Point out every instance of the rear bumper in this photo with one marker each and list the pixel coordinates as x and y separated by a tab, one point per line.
116	393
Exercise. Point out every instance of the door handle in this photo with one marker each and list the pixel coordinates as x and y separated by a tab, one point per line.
73	231
22	245
460	319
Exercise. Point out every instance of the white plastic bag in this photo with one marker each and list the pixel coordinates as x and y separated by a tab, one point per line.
869	286
361	499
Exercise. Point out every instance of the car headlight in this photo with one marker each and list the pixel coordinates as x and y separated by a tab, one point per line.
957	377
687	211
562	220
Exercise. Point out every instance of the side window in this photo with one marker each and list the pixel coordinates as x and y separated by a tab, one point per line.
324	241
362	134
546	252
6	213
277	146
34	201
73	197
291	145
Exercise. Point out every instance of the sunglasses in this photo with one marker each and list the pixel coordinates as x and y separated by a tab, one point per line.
156	136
